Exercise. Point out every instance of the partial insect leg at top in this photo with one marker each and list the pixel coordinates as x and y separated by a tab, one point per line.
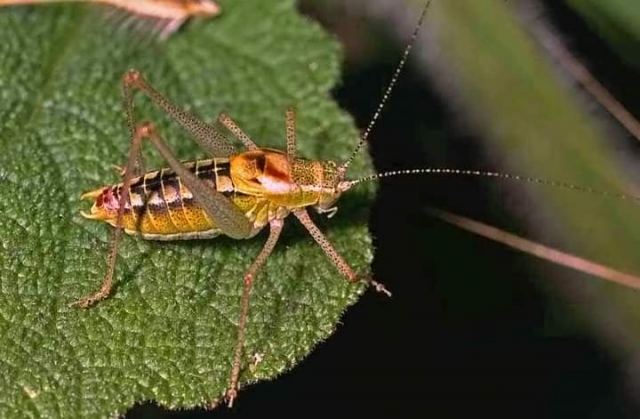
162	17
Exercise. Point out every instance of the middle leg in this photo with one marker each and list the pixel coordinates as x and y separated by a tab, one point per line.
275	227
290	127
235	129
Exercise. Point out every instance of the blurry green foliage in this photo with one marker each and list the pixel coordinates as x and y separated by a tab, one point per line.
533	123
617	21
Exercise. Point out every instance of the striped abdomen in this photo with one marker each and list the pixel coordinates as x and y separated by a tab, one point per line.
161	208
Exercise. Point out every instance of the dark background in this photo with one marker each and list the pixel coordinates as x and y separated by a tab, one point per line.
448	344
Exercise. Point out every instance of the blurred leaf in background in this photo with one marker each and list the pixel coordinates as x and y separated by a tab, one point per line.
616	21
531	121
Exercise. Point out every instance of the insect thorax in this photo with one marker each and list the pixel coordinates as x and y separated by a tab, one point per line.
289	183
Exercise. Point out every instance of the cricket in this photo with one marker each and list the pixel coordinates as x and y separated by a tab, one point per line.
236	193
164	17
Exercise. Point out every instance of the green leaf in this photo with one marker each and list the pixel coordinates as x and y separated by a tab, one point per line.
617	21
168	331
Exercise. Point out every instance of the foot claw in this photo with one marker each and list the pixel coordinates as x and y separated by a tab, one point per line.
256	359
88	301
118	169
231	395
380	288
82	303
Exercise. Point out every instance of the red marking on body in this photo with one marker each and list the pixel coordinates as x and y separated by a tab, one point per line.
108	200
248	279
278	168
276	175
131	77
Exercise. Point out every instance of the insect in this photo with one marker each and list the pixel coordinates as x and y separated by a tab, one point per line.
234	193
164	16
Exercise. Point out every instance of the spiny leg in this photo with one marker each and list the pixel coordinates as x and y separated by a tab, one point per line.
138	168
275	227
235	129
128	174
331	251
205	134
290	125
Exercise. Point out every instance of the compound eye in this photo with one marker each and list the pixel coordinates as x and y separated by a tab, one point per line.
261	164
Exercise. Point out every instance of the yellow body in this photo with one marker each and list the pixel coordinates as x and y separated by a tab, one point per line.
264	184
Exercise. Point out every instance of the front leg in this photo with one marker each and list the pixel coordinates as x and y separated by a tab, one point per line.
235	129
332	253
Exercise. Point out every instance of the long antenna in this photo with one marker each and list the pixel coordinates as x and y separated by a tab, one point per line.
365	135
347	184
